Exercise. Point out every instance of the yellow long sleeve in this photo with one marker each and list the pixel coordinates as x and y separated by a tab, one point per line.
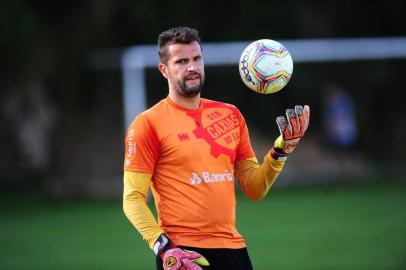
255	180
135	206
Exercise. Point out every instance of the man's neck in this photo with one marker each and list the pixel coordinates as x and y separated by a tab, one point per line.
191	103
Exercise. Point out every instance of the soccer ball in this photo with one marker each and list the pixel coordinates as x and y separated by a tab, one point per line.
266	66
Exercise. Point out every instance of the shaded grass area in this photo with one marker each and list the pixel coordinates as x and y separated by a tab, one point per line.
349	227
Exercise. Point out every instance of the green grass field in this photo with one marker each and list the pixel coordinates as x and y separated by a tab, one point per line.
351	227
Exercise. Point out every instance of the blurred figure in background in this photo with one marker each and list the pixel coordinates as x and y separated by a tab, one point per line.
339	122
30	116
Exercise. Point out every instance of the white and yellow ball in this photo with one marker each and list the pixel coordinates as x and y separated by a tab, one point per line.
265	66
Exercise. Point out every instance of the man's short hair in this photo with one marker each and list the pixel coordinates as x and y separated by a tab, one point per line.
183	35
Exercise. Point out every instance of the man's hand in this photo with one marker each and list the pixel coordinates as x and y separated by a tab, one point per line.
177	258
292	128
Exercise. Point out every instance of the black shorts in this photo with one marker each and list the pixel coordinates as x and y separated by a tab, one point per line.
220	258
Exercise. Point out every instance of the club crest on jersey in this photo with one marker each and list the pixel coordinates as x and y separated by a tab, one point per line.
219	126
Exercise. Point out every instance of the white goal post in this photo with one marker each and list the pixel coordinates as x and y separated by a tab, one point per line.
135	60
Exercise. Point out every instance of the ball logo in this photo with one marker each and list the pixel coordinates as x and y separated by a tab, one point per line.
219	127
265	66
244	65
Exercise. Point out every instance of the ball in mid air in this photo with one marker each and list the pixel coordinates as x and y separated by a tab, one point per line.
265	66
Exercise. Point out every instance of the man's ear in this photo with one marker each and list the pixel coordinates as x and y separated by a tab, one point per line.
163	69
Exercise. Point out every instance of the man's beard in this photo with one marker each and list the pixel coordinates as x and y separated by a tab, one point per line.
190	91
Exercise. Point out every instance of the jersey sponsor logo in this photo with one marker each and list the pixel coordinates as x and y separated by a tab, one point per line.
195	180
209	178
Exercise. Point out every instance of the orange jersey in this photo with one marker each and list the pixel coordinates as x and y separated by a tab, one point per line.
191	156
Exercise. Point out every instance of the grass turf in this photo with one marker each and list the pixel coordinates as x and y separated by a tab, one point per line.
351	227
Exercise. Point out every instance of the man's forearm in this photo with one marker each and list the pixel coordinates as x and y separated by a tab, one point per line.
135	206
256	180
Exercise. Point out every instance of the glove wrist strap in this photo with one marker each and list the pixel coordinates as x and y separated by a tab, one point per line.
162	244
278	154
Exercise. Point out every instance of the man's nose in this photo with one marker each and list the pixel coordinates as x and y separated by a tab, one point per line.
192	67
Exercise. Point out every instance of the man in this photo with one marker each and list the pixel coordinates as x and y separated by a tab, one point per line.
188	150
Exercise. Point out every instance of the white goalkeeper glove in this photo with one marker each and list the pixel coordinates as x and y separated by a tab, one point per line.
292	128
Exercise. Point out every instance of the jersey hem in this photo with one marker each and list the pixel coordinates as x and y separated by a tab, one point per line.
210	243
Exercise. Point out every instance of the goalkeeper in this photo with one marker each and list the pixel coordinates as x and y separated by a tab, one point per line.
188	150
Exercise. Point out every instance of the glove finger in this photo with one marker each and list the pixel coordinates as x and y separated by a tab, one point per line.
306	117
192	255
299	113
279	142
292	121
283	127
195	257
202	261
189	265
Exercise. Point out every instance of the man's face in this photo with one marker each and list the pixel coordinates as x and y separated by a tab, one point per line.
184	69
